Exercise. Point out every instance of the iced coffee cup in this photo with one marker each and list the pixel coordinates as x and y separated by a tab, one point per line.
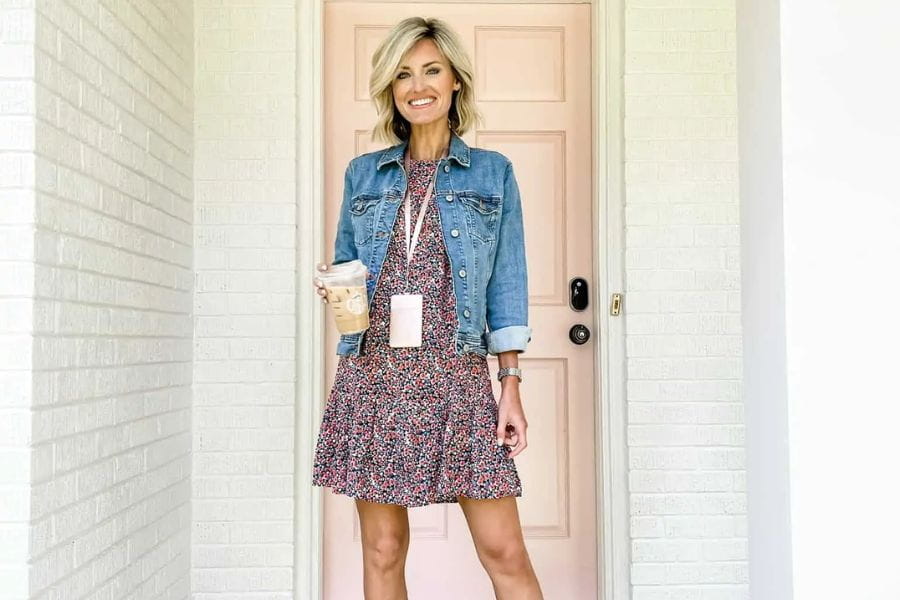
345	288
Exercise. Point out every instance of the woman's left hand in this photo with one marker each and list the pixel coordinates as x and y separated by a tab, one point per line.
511	424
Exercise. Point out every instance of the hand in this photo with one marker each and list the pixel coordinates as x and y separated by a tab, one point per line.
511	424
320	287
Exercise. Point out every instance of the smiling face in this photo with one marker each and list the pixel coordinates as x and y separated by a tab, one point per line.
423	85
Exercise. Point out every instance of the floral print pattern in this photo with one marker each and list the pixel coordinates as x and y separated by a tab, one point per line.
414	426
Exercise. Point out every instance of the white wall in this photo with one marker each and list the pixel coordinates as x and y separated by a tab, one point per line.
100	293
683	330
244	301
841	212
17	106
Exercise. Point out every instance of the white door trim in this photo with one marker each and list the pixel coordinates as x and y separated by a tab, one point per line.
613	541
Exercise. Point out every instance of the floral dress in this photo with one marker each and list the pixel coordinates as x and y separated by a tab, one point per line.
414	426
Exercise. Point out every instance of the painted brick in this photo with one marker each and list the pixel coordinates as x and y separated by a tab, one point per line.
683	341
99	278
244	303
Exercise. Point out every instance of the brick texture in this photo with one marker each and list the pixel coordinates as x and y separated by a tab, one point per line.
101	223
683	341
244	301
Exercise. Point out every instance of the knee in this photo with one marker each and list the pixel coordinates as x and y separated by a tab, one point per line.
509	557
386	551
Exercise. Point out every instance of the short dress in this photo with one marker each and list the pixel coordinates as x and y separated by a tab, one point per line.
414	426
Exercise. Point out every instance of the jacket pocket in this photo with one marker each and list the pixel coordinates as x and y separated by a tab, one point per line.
362	214
482	214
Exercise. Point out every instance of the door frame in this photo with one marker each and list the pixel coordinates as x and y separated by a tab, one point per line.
611	450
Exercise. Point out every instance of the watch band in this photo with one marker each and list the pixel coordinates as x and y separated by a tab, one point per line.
509	371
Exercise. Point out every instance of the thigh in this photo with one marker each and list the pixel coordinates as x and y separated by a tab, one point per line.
381	524
493	523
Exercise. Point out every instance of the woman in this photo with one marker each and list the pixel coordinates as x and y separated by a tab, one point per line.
416	425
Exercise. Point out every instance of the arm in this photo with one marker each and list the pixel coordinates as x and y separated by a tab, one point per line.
507	289
344	244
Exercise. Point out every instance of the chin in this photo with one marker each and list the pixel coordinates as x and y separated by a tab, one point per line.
422	120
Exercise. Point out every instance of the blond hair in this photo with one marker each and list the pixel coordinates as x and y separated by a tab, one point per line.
391	127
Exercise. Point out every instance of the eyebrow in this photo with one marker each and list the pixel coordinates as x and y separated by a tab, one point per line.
434	62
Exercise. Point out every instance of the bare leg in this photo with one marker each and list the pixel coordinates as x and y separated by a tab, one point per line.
494	525
385	541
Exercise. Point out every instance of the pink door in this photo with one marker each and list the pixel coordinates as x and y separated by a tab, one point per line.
533	74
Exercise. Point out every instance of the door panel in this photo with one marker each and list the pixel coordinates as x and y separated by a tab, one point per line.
533	73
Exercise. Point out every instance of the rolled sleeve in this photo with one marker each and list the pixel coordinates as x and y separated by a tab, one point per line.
514	337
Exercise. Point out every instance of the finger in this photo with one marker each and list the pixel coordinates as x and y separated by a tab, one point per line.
517	450
519	426
501	429
518	447
322	267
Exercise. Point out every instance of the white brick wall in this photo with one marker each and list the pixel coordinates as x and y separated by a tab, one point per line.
685	432
244	304
101	392
17	106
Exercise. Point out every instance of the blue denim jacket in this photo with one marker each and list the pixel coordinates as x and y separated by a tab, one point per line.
481	218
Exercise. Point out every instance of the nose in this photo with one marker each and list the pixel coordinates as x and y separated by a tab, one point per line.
418	84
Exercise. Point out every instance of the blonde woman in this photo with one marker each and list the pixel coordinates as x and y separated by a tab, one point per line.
439	226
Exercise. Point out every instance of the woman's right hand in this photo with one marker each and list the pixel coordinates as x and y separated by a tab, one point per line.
320	287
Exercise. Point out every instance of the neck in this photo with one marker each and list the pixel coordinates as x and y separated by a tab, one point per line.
428	142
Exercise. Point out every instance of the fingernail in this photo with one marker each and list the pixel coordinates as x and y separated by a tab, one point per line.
499	442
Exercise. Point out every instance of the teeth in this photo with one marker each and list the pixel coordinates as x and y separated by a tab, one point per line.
422	101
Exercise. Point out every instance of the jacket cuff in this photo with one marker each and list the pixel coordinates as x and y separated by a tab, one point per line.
514	337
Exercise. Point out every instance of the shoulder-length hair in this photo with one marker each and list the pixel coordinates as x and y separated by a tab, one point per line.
391	127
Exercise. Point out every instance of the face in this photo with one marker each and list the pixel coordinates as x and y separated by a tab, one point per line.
423	85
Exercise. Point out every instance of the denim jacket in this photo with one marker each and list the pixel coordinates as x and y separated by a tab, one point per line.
481	218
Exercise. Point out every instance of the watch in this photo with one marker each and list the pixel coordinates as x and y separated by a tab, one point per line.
509	371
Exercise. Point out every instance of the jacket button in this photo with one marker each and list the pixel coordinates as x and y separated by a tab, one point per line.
454	232
446	168
466	313
449	197
465	347
462	272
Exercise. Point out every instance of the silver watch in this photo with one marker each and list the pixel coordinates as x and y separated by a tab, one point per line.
509	371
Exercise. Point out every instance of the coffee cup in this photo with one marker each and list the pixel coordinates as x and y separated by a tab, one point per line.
345	289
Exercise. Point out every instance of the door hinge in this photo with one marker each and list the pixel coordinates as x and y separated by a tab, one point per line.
615	305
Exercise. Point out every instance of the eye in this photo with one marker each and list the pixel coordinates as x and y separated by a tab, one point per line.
401	74
434	70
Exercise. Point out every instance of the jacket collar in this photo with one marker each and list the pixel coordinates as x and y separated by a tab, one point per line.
459	151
